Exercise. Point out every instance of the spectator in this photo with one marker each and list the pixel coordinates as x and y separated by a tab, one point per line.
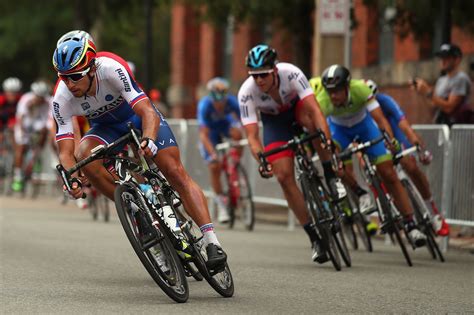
452	91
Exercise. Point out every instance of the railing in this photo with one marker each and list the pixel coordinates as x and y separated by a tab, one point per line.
451	174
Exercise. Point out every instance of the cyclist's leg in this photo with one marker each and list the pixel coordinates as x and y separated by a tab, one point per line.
21	140
214	167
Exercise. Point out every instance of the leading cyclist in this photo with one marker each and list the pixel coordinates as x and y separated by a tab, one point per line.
218	117
280	92
101	89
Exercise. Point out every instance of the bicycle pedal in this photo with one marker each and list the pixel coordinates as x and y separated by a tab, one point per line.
217	269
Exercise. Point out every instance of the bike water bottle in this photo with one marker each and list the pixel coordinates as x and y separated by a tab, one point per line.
168	216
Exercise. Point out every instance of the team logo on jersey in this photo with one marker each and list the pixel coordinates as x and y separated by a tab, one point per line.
109	97
85	106
293	75
264	97
57	115
105	109
246	98
123	78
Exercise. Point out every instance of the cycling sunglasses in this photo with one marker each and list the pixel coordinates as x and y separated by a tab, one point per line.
74	77
261	74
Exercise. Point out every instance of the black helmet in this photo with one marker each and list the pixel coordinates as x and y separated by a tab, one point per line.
336	76
261	56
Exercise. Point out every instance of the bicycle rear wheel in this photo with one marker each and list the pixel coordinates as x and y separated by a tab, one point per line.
220	280
339	238
422	220
157	255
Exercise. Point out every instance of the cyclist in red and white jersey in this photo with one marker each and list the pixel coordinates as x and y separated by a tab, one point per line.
8	103
281	94
104	91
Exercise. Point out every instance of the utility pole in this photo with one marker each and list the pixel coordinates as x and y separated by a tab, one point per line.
445	21
148	6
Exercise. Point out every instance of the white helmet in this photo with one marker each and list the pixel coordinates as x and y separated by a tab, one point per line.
218	88
12	85
75	35
40	88
372	85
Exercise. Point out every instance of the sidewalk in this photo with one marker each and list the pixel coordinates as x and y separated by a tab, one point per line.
462	239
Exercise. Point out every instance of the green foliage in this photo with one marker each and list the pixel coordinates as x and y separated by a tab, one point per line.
29	30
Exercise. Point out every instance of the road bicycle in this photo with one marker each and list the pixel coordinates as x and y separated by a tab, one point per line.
422	213
167	255
390	218
238	190
326	216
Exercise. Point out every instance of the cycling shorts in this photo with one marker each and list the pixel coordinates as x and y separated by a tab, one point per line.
278	130
107	134
363	131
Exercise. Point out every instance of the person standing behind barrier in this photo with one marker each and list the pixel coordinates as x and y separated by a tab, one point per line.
32	116
218	117
407	137
451	94
281	94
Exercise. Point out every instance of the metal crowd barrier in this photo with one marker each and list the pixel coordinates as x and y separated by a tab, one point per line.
451	174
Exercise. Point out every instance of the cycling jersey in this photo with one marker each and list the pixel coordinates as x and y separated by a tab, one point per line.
353	119
109	110
7	112
316	85
219	123
394	115
34	117
277	119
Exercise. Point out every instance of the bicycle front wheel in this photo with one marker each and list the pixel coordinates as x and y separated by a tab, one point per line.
156	254
244	201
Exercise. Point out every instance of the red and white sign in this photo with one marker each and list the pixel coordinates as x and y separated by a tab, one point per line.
333	16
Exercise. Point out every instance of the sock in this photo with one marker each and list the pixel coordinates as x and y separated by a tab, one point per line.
209	237
328	171
311	232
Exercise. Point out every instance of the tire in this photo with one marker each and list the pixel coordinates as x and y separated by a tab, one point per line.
176	290
313	203
222	282
340	239
360	225
245	200
393	226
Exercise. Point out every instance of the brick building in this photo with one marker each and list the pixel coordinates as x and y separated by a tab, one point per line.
200	52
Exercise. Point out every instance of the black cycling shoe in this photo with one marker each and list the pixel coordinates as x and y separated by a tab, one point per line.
215	256
319	255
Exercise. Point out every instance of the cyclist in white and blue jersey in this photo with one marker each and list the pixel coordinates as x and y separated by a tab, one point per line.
218	117
407	137
106	93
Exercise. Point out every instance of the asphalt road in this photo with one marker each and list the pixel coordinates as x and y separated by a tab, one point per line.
55	260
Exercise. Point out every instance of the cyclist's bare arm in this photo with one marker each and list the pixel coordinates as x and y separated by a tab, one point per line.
204	137
254	140
411	135
150	118
316	115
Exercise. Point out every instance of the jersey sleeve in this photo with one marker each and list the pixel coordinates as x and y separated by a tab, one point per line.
22	106
390	107
248	110
299	83
201	113
461	86
63	119
124	83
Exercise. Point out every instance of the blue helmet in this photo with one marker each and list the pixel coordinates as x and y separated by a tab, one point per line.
261	56
74	55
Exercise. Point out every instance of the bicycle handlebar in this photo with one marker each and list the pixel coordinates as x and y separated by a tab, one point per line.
96	153
360	147
226	145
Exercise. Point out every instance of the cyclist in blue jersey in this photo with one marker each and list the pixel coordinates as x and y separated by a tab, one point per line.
219	117
407	137
102	89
